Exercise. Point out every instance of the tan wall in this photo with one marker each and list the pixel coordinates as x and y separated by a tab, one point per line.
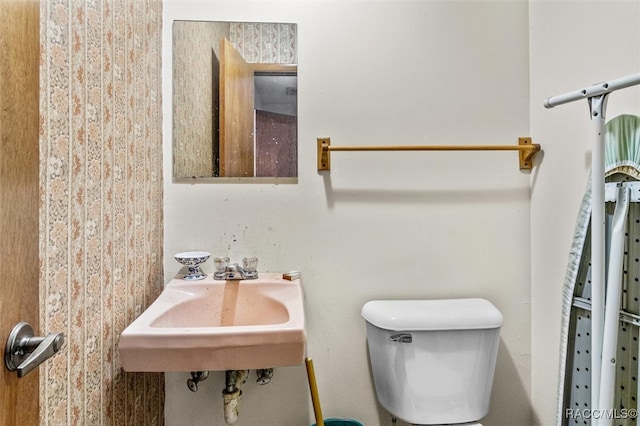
101	204
394	225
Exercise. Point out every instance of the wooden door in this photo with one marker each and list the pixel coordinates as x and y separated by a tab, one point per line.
19	198
236	113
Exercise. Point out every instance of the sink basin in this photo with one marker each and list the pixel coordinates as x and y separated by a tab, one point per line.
211	325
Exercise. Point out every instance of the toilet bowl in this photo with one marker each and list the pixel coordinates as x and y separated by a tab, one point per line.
433	361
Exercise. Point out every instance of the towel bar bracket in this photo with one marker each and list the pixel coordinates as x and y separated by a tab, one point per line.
526	150
324	159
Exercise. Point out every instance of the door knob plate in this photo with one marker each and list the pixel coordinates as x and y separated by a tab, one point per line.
14	351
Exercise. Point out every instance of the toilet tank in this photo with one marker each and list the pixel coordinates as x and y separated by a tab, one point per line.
433	360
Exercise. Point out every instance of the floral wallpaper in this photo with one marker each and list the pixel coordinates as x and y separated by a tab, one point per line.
267	43
100	204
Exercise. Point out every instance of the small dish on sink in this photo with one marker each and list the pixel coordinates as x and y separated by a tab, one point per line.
192	260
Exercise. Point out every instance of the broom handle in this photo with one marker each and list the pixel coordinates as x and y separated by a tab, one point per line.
315	399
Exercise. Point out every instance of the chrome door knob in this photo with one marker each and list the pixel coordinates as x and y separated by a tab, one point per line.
24	351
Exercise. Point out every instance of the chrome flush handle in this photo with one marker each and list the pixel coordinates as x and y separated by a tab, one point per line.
24	351
401	338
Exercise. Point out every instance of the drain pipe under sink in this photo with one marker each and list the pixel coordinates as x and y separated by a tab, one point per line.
232	393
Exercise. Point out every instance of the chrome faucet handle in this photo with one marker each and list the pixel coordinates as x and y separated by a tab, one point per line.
233	271
250	264
221	263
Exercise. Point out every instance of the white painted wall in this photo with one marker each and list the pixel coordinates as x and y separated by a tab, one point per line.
573	45
394	225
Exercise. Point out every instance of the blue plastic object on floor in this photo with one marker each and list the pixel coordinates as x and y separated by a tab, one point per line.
341	422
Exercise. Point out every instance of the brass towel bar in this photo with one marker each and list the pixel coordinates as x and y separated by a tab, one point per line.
526	150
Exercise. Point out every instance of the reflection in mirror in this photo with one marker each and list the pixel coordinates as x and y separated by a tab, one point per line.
234	100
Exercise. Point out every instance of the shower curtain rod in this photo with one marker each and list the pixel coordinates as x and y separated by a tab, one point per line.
596	96
526	150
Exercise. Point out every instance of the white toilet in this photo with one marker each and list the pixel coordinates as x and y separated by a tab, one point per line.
433	360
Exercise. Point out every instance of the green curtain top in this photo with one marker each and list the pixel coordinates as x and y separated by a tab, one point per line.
622	146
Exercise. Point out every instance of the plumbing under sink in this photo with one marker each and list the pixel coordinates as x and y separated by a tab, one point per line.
211	325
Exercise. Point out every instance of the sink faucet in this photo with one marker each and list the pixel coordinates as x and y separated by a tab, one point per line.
233	271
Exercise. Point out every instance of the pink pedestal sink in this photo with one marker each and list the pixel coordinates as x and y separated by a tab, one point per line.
213	325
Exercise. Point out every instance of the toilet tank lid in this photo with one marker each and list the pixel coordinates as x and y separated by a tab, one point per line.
440	314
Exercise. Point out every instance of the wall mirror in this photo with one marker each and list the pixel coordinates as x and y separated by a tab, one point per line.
235	92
